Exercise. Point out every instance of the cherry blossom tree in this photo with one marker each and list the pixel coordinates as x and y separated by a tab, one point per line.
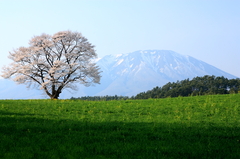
54	63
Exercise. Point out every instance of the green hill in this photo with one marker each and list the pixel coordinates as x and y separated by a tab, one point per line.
197	86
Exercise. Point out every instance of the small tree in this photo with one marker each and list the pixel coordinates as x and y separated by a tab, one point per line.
54	63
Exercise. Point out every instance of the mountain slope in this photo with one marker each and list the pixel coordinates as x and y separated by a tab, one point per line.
129	74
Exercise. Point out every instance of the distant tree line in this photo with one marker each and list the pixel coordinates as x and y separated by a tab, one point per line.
101	98
205	85
197	86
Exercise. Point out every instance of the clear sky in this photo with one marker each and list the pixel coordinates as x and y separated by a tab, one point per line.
208	30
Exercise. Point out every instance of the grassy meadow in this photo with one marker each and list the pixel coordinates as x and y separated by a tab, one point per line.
182	127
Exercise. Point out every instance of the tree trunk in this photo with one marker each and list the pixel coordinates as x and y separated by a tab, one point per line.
55	94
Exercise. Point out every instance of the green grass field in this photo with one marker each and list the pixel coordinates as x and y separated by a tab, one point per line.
183	127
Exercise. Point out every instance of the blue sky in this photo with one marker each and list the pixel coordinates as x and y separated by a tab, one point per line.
208	30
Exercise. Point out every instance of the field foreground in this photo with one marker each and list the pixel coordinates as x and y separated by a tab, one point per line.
183	127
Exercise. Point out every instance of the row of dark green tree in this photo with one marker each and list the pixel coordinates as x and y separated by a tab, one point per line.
197	86
104	98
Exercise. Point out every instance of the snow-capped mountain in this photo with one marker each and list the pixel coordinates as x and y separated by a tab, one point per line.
129	74
132	73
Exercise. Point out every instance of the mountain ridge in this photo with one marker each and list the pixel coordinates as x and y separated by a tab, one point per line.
157	66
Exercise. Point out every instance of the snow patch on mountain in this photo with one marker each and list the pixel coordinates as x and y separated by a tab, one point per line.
144	69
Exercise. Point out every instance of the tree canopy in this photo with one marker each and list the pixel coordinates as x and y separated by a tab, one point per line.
54	62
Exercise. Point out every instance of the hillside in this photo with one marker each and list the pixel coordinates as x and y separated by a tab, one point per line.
197	86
